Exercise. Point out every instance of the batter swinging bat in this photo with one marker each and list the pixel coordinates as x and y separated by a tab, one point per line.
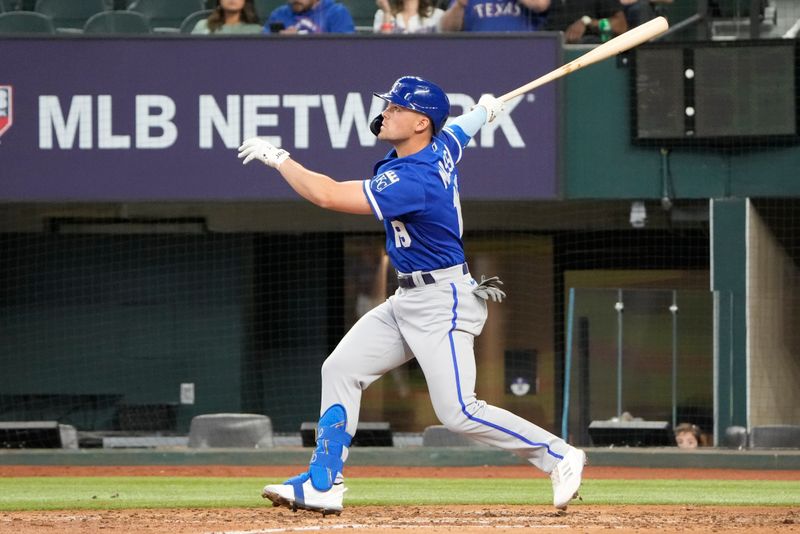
620	43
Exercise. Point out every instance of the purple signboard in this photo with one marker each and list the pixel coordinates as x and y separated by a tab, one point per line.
89	119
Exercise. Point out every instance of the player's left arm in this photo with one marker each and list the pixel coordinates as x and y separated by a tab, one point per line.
317	188
324	191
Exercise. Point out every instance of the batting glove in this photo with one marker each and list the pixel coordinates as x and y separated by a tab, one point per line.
489	288
494	106
264	151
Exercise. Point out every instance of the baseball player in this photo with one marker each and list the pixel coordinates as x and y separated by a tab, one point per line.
438	308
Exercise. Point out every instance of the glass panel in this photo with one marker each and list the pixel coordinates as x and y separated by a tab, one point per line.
640	355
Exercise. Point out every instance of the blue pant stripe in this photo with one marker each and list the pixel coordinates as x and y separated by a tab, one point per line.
458	387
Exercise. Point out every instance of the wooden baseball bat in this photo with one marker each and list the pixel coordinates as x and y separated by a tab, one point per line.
620	43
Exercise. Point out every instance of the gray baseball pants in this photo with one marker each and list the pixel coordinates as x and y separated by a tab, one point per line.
437	323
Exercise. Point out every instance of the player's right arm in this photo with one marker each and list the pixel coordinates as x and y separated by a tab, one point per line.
464	127
315	187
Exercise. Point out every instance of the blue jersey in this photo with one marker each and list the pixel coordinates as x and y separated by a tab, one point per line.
327	16
417	199
500	16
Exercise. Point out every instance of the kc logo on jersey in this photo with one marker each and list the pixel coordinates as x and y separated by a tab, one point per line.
6	109
384	180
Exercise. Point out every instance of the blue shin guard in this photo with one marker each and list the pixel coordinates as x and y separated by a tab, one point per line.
327	461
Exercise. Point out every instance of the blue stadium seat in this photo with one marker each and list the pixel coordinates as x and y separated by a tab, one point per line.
117	22
25	22
70	15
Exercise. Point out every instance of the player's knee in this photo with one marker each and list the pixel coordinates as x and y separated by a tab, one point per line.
454	420
463	419
332	369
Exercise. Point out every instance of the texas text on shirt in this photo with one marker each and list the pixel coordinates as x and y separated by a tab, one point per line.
500	16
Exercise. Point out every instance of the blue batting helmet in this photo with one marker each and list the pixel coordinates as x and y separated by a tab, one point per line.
422	96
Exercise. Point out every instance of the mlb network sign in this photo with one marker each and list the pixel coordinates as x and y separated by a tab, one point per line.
99	120
87	121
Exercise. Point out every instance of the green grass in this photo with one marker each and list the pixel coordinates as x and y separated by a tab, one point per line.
59	493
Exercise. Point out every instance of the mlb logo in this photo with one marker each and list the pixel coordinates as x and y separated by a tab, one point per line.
6	108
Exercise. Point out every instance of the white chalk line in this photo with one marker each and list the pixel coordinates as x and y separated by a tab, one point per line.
357	525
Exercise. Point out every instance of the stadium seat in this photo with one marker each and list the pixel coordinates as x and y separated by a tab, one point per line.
265	7
70	15
117	22
190	22
363	13
25	22
166	16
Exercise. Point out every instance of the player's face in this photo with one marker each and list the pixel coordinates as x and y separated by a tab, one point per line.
399	123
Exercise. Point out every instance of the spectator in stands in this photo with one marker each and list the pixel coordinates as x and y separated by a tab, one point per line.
310	16
688	436
639	11
587	21
495	15
407	16
230	17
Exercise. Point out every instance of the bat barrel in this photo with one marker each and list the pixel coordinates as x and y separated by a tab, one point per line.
620	43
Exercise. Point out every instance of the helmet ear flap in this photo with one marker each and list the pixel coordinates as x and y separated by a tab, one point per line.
375	125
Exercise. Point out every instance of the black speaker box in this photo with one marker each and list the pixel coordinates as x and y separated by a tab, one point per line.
30	435
631	433
378	434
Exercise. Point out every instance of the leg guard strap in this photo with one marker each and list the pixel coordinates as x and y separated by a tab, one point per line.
332	433
297	484
328	461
